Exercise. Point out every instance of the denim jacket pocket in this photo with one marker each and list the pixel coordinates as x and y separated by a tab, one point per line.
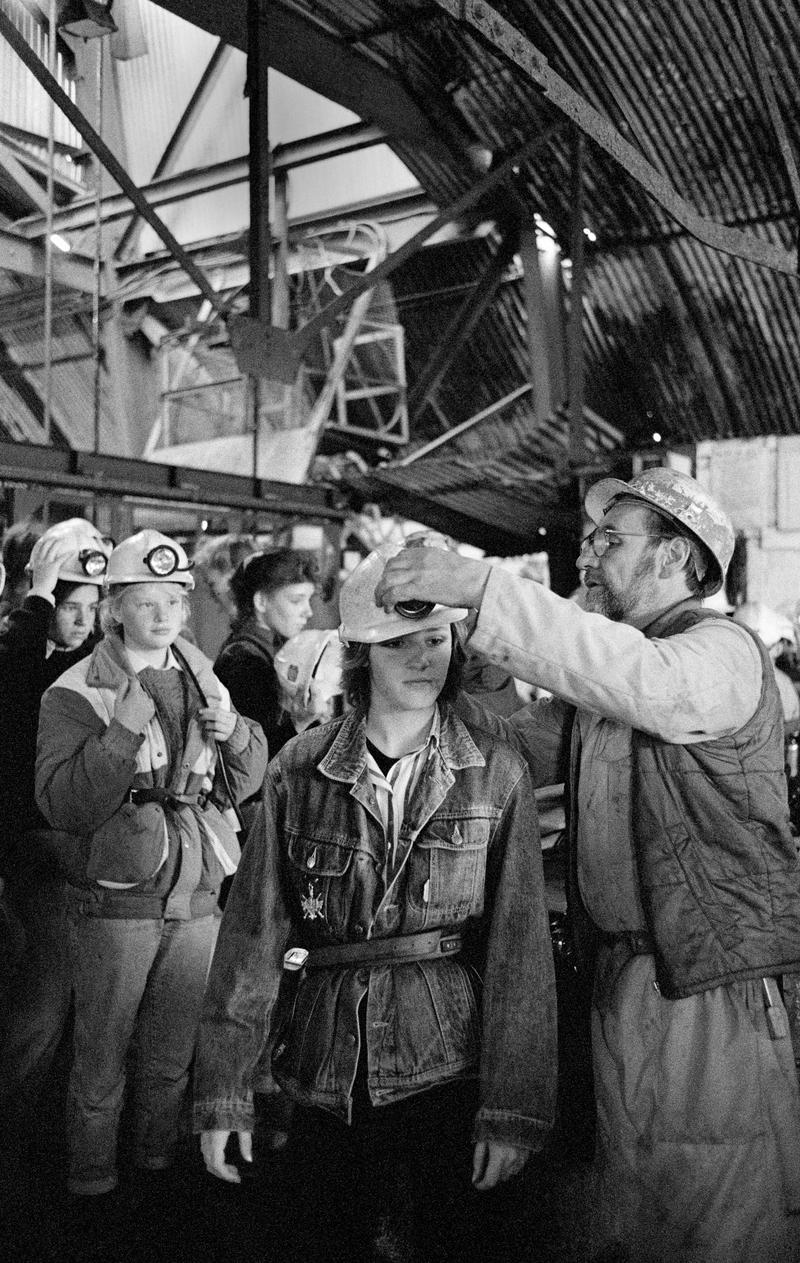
448	869
316	871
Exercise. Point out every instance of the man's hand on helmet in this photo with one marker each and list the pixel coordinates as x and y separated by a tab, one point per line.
430	574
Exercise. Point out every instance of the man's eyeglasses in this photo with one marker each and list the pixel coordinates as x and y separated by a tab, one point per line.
600	539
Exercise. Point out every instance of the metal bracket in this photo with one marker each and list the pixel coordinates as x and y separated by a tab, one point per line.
518	49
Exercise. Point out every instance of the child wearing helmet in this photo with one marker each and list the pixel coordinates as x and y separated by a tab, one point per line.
396	857
53	628
141	758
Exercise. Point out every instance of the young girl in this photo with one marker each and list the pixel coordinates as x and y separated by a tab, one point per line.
142	757
398	847
273	592
53	628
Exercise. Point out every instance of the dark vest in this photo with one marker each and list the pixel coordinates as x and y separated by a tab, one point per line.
718	871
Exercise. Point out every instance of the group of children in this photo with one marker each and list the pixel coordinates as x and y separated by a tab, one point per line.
392	855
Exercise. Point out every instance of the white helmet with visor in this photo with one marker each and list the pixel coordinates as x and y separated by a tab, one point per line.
149	557
84	551
365	622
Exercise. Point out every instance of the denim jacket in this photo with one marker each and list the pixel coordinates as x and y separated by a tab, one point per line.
311	875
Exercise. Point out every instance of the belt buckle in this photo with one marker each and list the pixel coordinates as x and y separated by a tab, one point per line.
449	944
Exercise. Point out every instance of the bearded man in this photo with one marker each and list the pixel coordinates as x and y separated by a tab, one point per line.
684	888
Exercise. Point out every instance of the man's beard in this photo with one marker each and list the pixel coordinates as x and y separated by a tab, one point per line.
601	600
619	605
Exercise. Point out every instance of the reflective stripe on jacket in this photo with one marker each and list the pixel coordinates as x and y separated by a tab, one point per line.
86	764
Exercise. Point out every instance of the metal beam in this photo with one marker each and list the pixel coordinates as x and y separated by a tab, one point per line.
80	214
577	439
535	326
522	53
276	354
219	175
304	50
27	463
765	83
104	154
15	139
28	259
176	144
17	184
460	328
453	433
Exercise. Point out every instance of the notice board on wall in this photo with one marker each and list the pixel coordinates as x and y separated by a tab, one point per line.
788	480
741	475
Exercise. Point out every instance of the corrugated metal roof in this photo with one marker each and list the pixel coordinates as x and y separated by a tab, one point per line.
705	342
679	338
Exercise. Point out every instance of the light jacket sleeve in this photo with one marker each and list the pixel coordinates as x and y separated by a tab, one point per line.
84	768
702	683
244	981
539	731
518	1047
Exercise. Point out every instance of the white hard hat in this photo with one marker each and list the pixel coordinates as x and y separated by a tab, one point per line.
365	622
310	655
767	623
86	551
149	557
683	499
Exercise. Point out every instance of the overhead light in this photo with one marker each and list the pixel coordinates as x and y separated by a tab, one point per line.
480	156
656	436
546	243
60	242
88	19
589	235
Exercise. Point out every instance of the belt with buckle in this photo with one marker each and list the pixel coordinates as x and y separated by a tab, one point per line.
429	945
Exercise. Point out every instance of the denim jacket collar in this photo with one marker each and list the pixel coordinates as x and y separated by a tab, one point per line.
346	759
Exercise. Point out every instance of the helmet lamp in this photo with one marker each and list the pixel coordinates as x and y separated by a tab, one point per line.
163	560
93	562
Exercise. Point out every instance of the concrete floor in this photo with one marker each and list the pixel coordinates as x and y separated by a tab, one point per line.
186	1216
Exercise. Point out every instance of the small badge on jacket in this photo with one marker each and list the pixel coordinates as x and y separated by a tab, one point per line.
311	904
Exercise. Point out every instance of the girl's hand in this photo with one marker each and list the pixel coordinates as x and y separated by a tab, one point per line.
133	708
212	1147
494	1163
217	724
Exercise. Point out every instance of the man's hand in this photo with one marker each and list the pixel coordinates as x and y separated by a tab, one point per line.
493	1163
133	708
217	724
212	1147
431	574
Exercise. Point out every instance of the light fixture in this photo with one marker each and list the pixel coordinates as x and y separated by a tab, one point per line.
656	436
88	19
60	242
590	236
